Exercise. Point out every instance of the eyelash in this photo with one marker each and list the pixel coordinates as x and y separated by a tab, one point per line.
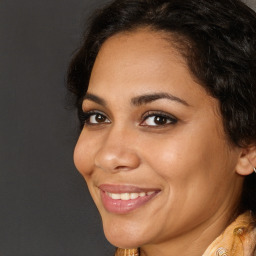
85	117
170	119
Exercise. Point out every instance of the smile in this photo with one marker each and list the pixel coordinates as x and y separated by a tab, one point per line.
124	199
129	196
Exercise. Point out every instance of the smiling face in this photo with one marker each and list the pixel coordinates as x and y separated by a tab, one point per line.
153	151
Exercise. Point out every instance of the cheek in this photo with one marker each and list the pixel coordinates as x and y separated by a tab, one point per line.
189	164
194	174
176	156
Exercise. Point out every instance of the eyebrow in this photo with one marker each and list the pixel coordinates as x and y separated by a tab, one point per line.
139	100
147	98
94	98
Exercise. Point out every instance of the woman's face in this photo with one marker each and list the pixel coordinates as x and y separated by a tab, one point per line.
153	151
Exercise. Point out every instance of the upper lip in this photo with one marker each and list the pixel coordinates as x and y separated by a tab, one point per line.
111	188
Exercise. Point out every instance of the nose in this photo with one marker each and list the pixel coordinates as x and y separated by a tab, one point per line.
117	153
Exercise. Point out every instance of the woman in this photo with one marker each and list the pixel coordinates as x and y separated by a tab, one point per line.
166	92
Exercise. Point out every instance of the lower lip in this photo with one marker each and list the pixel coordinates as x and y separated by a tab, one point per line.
123	206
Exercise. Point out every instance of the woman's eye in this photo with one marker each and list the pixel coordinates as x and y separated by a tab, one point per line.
95	118
158	120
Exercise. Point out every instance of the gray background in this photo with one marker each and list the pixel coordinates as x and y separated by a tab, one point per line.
45	206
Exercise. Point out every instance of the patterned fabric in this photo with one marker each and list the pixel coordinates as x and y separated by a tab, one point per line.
127	252
238	239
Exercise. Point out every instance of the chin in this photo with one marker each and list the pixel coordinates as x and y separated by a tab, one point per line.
126	238
123	241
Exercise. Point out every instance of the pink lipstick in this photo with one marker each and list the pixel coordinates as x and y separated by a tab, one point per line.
122	199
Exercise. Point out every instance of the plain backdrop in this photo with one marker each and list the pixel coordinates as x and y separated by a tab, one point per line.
45	207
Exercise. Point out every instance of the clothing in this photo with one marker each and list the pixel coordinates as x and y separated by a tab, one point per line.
127	252
238	239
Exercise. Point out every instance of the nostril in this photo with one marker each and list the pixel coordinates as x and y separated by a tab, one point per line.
123	168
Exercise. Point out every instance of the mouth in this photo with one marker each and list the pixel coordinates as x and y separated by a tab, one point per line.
122	199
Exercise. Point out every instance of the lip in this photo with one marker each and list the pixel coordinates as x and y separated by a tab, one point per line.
119	206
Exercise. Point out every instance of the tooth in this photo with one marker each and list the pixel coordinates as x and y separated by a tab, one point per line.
134	195
116	196
125	196
128	196
142	194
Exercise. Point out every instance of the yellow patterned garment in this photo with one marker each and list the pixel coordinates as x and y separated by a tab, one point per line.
127	252
238	239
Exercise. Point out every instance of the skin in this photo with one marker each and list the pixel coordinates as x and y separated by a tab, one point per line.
198	172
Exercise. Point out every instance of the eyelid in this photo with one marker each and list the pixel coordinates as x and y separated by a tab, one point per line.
152	113
84	115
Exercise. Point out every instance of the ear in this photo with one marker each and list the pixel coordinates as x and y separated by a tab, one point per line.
247	161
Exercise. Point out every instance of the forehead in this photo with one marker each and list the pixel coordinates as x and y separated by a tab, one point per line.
139	62
131	49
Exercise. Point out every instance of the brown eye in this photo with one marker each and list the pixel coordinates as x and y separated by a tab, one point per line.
97	118
100	118
158	119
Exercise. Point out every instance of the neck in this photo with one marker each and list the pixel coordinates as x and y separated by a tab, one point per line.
194	242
